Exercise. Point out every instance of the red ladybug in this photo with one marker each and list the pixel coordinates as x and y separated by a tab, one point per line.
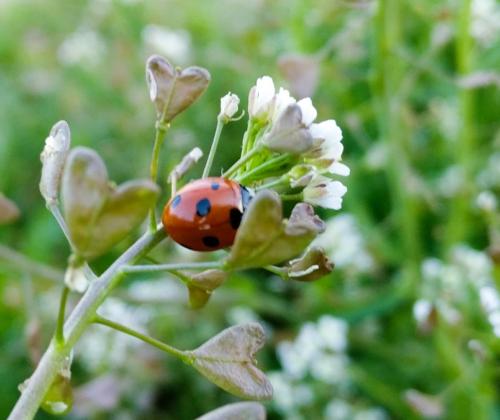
205	214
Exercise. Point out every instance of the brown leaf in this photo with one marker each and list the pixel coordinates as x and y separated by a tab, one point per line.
228	360
171	89
98	214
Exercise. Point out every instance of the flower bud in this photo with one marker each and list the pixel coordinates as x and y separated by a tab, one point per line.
228	106
53	158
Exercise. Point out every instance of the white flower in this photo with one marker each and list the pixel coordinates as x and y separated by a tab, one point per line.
328	137
228	106
261	98
309	113
281	102
325	193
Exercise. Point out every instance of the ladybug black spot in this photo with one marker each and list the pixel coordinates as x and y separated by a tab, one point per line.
235	216
215	186
203	207
176	201
210	241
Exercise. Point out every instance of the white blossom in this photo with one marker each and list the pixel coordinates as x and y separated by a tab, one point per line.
281	102
309	113
261	98
328	136
228	106
324	192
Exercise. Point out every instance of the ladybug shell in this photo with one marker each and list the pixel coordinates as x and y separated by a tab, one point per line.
205	214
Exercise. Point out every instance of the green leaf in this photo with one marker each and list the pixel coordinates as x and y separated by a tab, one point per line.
173	90
8	210
237	411
228	361
98	214
264	238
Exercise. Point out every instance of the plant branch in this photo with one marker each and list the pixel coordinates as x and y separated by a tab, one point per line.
143	337
171	267
241	161
213	148
82	315
161	131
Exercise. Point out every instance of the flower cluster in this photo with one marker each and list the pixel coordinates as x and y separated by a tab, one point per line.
315	362
285	149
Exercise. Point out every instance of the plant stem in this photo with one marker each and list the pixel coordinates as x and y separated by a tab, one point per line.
56	212
279	271
213	148
388	105
82	315
170	267
276	182
161	131
143	337
268	164
241	161
456	229
59	335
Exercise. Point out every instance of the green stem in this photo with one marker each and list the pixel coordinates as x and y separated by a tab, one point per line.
143	337
388	105
170	267
279	271
161	131
280	181
213	148
242	160
244	146
268	164
59	335
464	147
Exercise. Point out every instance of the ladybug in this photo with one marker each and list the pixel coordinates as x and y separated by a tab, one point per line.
206	213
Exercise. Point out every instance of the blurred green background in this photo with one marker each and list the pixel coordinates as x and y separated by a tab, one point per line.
406	326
